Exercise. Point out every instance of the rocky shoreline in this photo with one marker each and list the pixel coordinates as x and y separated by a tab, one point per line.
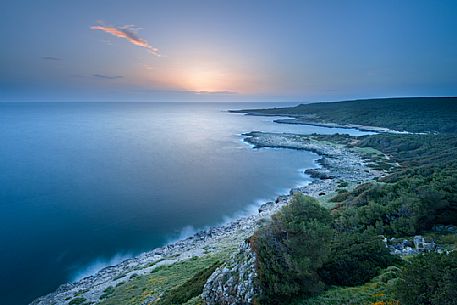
337	162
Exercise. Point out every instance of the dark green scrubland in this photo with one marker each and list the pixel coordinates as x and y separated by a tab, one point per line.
418	195
414	114
300	253
309	255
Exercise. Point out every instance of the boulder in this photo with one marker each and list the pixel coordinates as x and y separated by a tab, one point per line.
266	207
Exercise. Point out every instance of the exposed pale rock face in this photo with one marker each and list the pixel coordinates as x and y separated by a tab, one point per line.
233	282
267	206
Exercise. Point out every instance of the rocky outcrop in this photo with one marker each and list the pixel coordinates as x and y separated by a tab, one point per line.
318	174
267	207
233	282
336	160
413	245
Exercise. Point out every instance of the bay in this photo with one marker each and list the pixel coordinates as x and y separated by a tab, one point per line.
86	185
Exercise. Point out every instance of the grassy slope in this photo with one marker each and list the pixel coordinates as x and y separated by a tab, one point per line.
163	281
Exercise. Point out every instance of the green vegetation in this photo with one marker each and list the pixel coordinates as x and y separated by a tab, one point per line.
376	292
190	289
415	114
409	206
342	184
355	258
299	254
416	196
419	193
414	150
195	301
77	301
291	250
341	196
107	292
182	280
429	279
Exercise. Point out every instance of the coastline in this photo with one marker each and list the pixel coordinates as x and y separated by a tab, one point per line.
336	161
300	120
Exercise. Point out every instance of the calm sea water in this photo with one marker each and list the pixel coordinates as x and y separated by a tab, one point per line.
85	185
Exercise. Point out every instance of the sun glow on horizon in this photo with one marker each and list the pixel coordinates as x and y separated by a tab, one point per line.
205	79
202	77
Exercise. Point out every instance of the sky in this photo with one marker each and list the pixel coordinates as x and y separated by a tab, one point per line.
227	50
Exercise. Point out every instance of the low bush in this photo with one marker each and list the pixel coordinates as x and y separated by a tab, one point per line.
355	258
77	301
429	279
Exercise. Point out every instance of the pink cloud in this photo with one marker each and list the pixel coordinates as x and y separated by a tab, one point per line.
128	32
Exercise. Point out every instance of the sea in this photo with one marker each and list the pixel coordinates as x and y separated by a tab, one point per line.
84	185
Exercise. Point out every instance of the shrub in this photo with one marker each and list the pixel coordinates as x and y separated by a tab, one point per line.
429	279
107	292
77	301
343	184
291	249
340	197
355	259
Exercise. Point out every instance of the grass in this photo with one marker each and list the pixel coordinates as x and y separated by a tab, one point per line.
161	282
369	152
329	201
190	289
326	200
377	160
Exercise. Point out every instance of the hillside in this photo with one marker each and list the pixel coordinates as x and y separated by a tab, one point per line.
413	207
413	114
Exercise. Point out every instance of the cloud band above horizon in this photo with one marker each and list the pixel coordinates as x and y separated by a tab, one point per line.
128	32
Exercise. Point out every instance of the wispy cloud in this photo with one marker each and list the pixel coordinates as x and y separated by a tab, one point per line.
51	58
128	32
103	76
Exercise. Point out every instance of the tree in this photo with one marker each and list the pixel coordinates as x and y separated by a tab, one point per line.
291	249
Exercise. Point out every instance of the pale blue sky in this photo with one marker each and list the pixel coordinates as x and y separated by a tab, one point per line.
237	50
